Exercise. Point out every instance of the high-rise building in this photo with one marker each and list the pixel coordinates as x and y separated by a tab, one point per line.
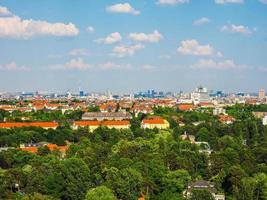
200	95
261	94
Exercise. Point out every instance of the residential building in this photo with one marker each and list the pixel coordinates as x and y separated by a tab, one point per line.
92	125
259	115
100	116
33	148
264	120
155	122
226	119
44	125
204	185
186	107
219	111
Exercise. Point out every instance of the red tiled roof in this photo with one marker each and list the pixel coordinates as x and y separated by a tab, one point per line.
186	107
225	118
103	123
30	149
27	124
51	147
154	121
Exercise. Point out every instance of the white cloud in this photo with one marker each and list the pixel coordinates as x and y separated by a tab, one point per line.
192	47
73	64
4	11
114	66
143	37
12	66
123	50
201	21
232	28
148	67
15	27
79	52
111	38
171	2
228	1
211	64
90	29
263	1
122	8
219	54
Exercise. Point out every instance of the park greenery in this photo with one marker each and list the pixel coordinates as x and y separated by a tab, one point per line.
110	164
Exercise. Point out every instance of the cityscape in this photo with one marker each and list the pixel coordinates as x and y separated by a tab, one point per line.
133	100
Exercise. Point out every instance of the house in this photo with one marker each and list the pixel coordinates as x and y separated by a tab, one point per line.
204	185
264	120
226	119
108	107
191	138
218	111
33	148
44	125
186	107
92	125
142	108
155	122
259	115
100	116
9	108
206	105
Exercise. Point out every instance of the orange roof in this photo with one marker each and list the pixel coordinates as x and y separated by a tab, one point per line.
102	123
27	124
30	149
225	118
86	123
115	123
185	107
154	121
51	147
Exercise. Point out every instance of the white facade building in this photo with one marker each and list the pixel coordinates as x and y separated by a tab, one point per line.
264	120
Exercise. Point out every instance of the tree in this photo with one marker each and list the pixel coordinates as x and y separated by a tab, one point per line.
126	183
100	193
203	135
38	196
201	195
176	181
70	179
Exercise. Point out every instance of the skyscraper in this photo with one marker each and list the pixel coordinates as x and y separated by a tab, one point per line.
261	94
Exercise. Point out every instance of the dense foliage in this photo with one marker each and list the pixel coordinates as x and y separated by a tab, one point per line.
127	164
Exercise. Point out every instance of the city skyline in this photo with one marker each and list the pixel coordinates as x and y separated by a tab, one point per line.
126	46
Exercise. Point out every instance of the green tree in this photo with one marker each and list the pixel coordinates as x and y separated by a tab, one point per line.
201	195
100	193
126	183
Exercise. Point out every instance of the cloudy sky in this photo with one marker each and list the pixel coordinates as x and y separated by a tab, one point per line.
133	45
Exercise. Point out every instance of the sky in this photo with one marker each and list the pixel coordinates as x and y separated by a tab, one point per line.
134	45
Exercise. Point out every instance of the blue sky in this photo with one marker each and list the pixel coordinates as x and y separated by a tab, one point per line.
133	45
